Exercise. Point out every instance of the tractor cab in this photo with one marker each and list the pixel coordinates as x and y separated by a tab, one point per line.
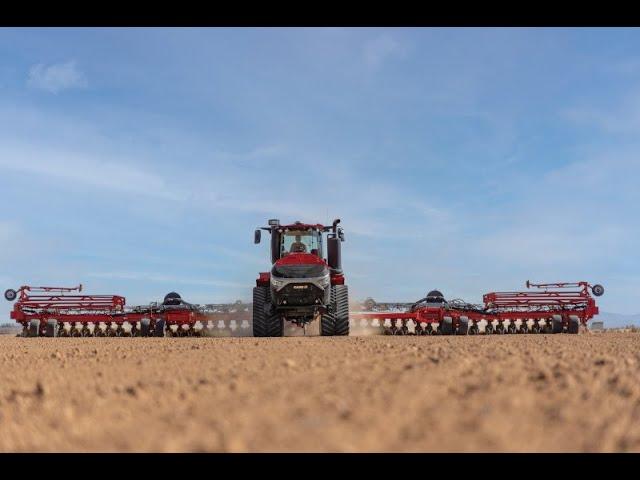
302	241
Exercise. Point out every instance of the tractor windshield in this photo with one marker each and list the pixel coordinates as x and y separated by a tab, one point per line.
301	241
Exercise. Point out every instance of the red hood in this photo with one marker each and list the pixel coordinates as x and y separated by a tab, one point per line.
300	259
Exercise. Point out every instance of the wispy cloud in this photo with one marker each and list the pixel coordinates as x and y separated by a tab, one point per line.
543	246
56	77
621	115
8	239
381	48
6	231
625	66
83	170
167	279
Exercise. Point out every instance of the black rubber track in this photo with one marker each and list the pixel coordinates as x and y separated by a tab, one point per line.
265	325
328	319
340	295
328	325
259	324
336	322
275	325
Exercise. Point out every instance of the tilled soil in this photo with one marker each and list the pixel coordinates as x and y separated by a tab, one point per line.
549	393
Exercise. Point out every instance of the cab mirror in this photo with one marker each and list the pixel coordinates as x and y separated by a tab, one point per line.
257	236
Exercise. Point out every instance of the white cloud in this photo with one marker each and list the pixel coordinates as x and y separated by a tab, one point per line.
627	66
235	255
170	279
621	117
7	240
56	77
381	48
255	157
7	232
83	170
550	246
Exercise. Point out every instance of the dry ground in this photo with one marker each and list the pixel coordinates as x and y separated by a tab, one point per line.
552	393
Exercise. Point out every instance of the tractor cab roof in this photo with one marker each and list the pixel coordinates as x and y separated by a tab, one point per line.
302	226
275	226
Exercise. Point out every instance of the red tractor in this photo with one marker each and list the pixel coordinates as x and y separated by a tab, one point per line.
302	286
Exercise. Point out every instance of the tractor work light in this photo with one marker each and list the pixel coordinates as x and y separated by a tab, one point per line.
274	222
326	281
277	284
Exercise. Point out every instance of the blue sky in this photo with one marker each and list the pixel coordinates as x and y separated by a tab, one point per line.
139	161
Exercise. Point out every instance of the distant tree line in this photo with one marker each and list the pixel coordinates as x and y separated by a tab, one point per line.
9	327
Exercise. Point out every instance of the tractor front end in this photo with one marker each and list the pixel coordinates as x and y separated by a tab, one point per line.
302	285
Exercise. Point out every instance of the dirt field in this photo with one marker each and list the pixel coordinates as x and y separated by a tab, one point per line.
551	393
